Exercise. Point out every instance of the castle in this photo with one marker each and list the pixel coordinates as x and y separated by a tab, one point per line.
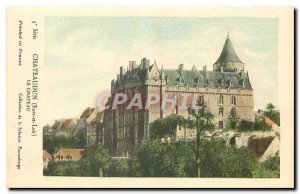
226	91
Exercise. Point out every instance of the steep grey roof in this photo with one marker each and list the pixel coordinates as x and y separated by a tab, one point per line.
210	79
193	78
228	53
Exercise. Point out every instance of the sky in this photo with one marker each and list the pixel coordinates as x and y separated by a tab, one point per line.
83	54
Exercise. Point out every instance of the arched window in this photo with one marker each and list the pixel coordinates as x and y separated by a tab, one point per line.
233	100
201	99
233	112
221	111
243	83
221	99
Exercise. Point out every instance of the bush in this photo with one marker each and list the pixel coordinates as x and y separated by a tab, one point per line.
53	143
64	168
96	161
268	169
177	160
260	125
245	125
219	160
119	168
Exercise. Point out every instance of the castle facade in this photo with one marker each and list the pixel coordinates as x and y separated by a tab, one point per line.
226	91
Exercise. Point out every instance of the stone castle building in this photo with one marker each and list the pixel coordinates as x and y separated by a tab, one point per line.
226	91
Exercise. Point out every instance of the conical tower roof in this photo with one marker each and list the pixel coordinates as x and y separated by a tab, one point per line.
228	53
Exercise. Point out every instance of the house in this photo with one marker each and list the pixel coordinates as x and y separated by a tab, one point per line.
46	158
68	155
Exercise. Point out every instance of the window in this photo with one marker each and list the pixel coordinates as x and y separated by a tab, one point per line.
220	124
59	157
222	82
233	100
201	99
221	111
233	112
221	99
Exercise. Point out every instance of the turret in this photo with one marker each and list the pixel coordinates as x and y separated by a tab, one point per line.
228	61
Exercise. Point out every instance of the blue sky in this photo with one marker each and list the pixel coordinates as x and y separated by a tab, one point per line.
83	54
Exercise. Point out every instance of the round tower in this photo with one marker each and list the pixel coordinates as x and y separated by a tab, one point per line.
228	60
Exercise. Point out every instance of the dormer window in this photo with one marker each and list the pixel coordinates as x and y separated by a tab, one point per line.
230	82
167	79
198	81
222	82
243	83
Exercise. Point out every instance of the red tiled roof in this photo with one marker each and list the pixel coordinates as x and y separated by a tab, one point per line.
98	118
269	122
75	153
87	112
46	155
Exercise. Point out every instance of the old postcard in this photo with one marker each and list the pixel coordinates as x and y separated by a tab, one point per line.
150	97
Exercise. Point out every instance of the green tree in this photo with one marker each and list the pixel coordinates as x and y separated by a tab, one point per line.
245	125
53	143
232	123
64	168
220	160
202	121
165	160
273	114
268	169
260	125
119	168
95	158
166	126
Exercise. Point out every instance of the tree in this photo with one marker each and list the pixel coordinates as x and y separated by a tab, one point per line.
232	123
220	160
166	126
273	114
165	160
95	158
268	169
53	143
119	168
202	121
64	168
260	125
245	125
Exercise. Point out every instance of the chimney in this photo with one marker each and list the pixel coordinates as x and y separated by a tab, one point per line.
121	71
242	74
145	63
118	77
180	68
133	65
112	84
204	69
130	66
